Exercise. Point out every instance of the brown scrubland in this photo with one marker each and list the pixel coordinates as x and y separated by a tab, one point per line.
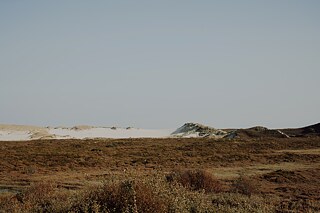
263	174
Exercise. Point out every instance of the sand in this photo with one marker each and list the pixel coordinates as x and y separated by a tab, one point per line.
24	133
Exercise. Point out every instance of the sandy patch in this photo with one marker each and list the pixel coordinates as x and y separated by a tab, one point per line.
81	127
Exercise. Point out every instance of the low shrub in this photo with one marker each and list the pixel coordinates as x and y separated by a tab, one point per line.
230	202
298	205
126	196
244	185
39	197
151	193
196	180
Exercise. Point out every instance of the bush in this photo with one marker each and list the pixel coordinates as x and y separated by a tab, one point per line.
39	197
229	202
196	180
298	205
244	185
127	196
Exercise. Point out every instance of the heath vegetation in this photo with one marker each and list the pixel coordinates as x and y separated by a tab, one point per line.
161	175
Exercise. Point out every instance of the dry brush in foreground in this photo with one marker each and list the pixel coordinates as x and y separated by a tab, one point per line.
179	191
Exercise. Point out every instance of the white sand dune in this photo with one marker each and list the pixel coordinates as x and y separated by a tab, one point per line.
7	135
107	132
22	133
192	130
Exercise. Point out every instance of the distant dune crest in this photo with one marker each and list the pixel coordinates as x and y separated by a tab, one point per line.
198	130
188	130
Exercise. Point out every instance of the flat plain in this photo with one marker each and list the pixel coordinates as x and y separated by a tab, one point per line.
284	173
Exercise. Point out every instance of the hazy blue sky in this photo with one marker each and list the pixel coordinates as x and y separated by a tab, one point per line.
159	64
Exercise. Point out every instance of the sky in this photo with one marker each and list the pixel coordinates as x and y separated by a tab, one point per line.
159	64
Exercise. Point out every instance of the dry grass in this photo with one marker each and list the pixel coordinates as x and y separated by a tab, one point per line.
152	194
135	175
149	195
